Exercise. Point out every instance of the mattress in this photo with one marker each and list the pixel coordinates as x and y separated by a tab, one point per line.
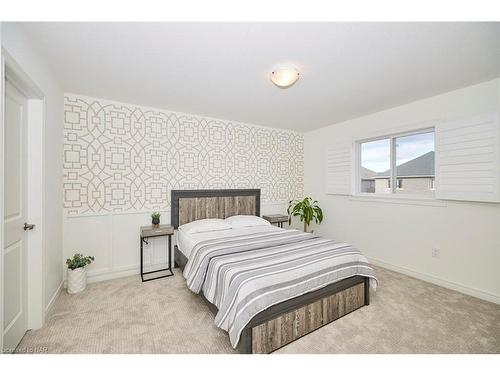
186	242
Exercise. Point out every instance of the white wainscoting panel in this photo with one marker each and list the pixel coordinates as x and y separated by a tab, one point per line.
113	239
89	235
125	246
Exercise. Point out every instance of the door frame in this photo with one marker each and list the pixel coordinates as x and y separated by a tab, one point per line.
12	72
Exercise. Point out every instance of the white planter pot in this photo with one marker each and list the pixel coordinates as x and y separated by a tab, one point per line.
77	280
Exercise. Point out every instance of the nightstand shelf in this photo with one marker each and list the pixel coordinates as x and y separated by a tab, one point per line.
276	219
150	232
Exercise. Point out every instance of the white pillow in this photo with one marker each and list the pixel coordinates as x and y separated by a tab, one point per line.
241	221
205	225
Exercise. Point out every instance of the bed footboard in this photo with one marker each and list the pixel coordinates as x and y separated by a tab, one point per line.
288	321
271	330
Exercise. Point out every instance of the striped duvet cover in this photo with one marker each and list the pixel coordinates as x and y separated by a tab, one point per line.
244	275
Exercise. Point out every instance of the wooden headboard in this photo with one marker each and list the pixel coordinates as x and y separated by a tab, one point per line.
191	205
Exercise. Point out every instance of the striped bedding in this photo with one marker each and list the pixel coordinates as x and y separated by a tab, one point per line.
243	275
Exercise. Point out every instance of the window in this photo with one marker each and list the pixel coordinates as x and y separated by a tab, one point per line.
399	164
375	159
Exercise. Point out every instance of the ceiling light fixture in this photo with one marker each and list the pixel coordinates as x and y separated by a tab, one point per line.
284	77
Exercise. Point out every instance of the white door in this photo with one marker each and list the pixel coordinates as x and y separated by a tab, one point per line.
15	210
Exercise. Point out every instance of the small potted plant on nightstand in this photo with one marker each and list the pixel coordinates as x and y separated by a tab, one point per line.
307	210
77	273
155	219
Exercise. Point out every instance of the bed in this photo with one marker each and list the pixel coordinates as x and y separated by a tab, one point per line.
266	286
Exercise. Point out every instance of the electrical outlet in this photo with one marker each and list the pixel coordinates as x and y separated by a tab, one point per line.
435	252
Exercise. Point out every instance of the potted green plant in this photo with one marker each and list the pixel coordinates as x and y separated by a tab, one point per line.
77	273
307	210
155	219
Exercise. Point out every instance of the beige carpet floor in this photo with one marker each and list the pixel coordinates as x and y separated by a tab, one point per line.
162	316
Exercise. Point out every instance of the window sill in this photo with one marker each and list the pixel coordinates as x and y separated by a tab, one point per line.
394	199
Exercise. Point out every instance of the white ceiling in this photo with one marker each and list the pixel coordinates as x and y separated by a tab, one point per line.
222	69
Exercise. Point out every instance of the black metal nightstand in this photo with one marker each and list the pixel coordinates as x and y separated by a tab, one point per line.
150	231
276	219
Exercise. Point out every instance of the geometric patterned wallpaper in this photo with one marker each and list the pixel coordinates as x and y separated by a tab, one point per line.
121	157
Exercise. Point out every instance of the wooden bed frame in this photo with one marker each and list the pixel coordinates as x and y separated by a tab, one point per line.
284	322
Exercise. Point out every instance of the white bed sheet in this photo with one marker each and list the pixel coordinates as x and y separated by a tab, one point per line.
186	242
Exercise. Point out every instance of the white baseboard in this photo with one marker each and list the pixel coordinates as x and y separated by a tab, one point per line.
103	275
110	274
116	273
441	282
52	300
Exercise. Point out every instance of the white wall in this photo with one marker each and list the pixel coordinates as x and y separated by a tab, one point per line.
1	186
401	235
24	53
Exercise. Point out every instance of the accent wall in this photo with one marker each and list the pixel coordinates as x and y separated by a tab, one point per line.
122	160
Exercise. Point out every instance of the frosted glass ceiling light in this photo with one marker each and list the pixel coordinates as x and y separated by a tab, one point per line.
284	77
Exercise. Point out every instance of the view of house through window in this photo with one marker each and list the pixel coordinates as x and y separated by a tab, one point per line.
415	163
375	159
411	168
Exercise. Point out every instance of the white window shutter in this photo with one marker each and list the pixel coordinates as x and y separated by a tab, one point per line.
468	159
339	168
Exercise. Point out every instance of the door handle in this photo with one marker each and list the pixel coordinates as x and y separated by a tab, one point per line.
28	226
